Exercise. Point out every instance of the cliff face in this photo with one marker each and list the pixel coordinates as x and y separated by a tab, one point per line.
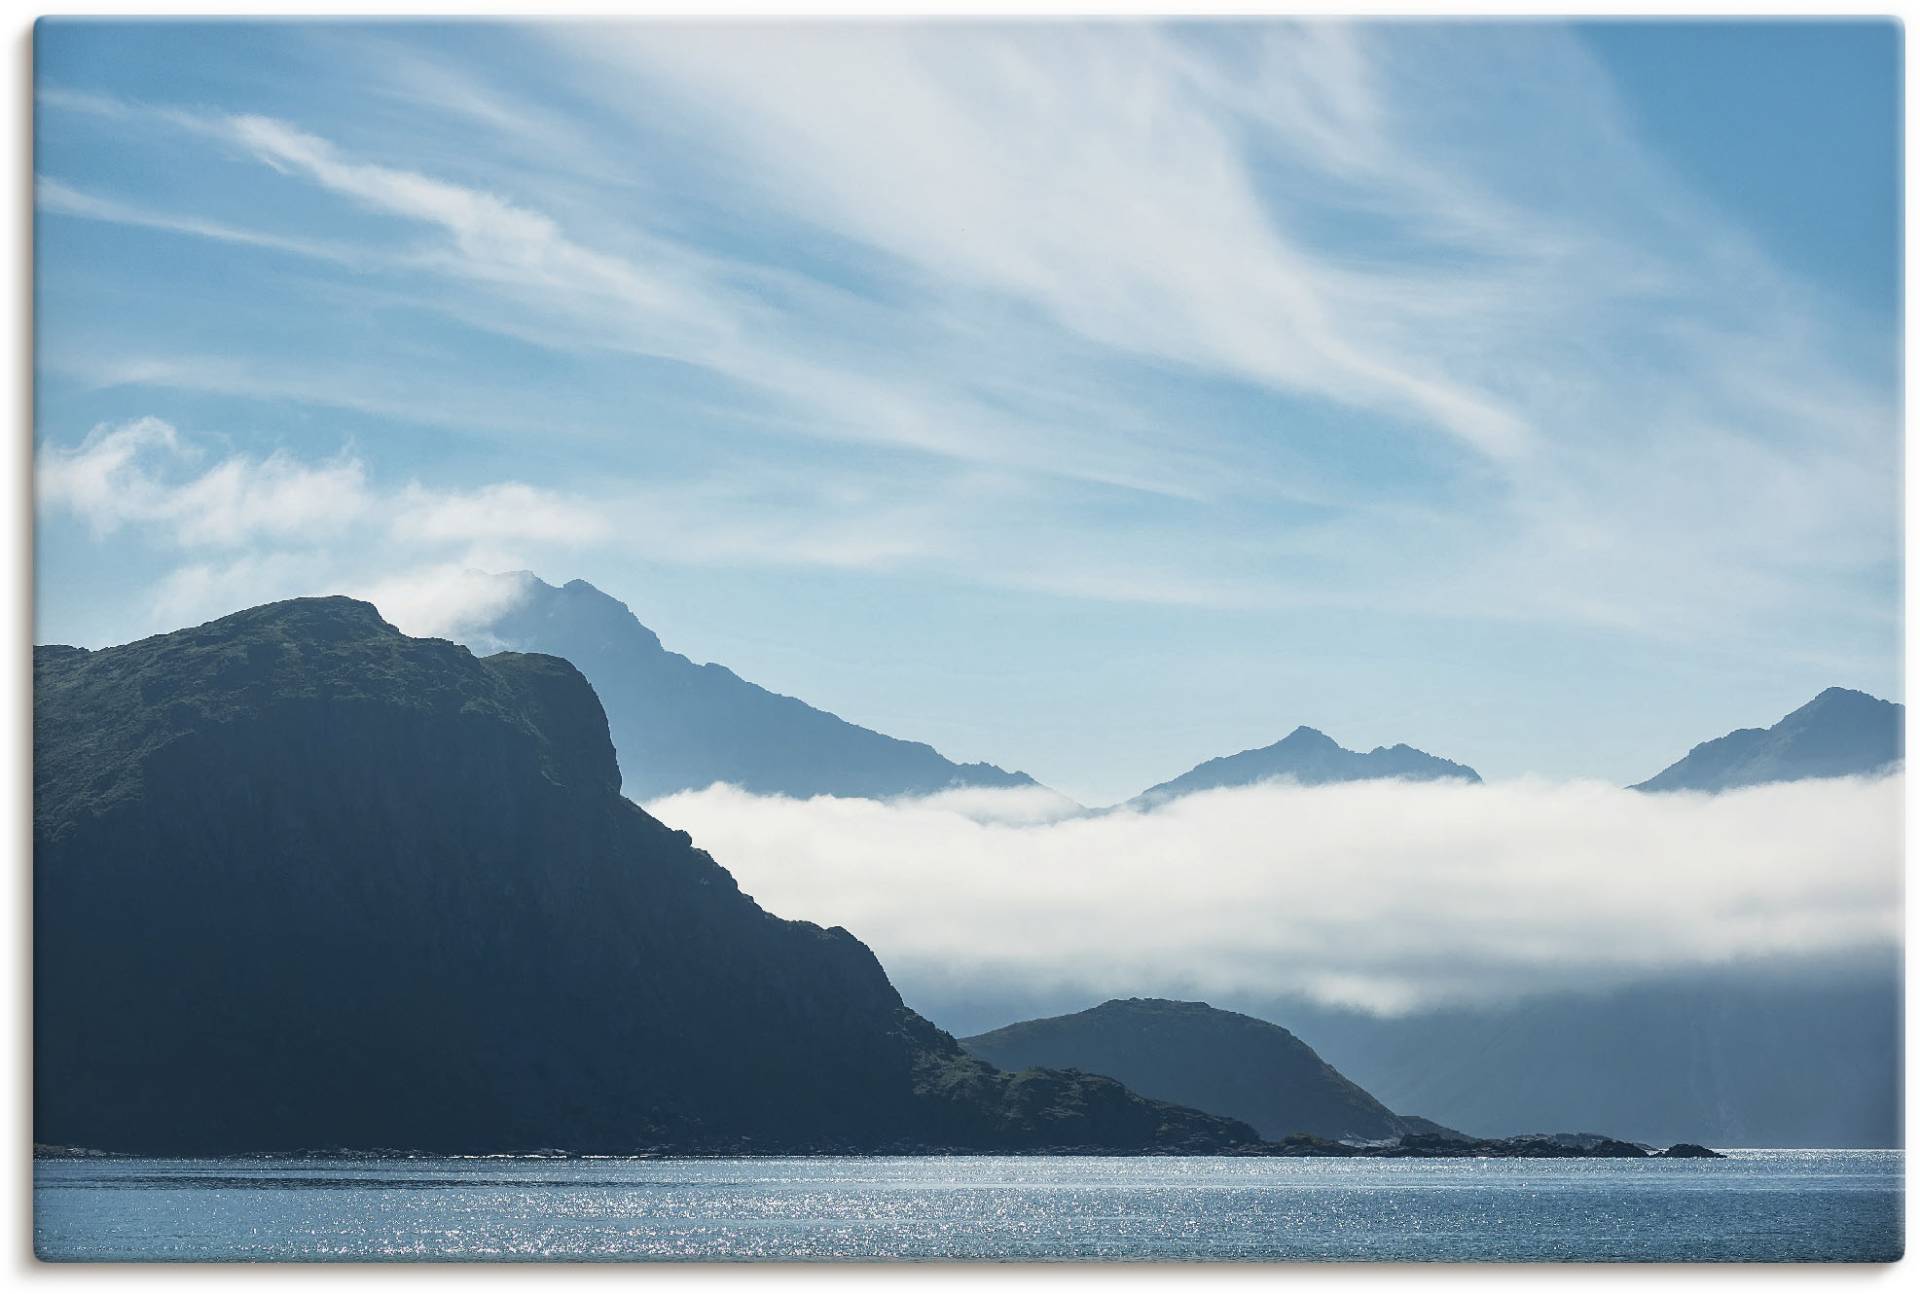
303	882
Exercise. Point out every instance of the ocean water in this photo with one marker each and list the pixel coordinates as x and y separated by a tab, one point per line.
1758	1205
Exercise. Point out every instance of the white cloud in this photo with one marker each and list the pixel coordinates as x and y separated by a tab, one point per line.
131	474
99	478
444	601
502	512
287	527
294	527
839	367
1456	227
496	240
471	405
1019	806
1384	895
664	298
427	600
53	196
202	590
1090	171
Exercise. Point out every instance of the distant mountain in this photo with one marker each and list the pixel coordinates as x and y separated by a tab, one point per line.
1791	1055
678	726
1799	1052
1215	1060
1311	758
303	882
1837	734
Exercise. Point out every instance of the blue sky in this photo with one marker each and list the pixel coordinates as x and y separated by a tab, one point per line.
1093	399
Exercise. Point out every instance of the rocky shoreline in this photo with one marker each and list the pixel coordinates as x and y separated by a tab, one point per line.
1542	1146
1420	1146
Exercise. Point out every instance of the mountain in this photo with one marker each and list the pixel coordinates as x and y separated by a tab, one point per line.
301	881
1194	1054
1839	733
1311	758
1787	1052
679	726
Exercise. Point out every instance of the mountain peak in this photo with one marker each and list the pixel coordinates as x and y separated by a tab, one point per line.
332	617
682	726
1842	697
1311	758
592	592
1839	733
576	613
1151	1003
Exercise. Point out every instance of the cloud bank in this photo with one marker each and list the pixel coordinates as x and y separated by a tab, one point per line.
1386	896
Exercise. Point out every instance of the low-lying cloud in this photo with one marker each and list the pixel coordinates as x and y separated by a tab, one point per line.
1385	895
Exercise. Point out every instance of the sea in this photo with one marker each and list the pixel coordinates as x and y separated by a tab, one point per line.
1754	1206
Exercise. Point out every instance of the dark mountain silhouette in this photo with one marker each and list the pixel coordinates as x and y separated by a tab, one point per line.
679	726
1311	758
1198	1055
301	881
1839	733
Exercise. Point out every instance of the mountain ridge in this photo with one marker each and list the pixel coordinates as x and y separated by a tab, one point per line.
683	726
1311	758
1840	733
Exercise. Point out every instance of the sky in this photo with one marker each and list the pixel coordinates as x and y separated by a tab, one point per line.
1094	399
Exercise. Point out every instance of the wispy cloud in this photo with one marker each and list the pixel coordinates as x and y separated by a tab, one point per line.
1383	895
1341	211
471	404
505	511
51	195
1097	173
502	243
518	271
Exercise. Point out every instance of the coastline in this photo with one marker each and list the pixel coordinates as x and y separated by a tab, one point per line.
1428	1147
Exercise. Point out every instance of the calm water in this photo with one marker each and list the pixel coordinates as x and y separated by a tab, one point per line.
1771	1205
